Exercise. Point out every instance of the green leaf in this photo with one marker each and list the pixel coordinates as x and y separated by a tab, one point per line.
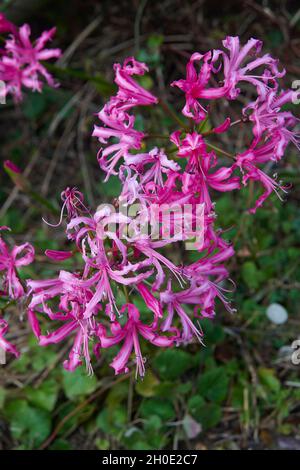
172	363
78	383
213	384
213	332
112	421
45	396
147	387
250	275
60	444
207	414
34	105
155	407
30	424
268	379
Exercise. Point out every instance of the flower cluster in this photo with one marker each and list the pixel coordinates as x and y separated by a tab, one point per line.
21	61
132	286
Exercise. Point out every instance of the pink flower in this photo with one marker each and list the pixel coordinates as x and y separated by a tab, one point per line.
201	162
130	93
20	64
119	125
235	71
10	260
130	335
210	272
6	26
269	119
158	162
73	294
195	85
100	268
4	344
174	302
248	161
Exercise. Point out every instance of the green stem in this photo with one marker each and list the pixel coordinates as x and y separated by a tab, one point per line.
218	149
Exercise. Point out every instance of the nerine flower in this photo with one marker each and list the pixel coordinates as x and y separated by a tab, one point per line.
130	335
21	60
238	67
72	295
10	260
4	344
119	125
130	93
270	120
6	26
195	85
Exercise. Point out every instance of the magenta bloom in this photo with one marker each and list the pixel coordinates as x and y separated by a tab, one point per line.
119	125
73	295
195	85
4	344
130	93
130	335
235	71
21	60
6	26
9	262
270	120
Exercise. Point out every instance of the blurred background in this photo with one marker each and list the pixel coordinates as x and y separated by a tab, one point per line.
241	390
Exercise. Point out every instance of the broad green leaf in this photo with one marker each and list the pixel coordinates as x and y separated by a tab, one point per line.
213	384
208	415
148	386
30	424
45	395
78	383
155	407
172	363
